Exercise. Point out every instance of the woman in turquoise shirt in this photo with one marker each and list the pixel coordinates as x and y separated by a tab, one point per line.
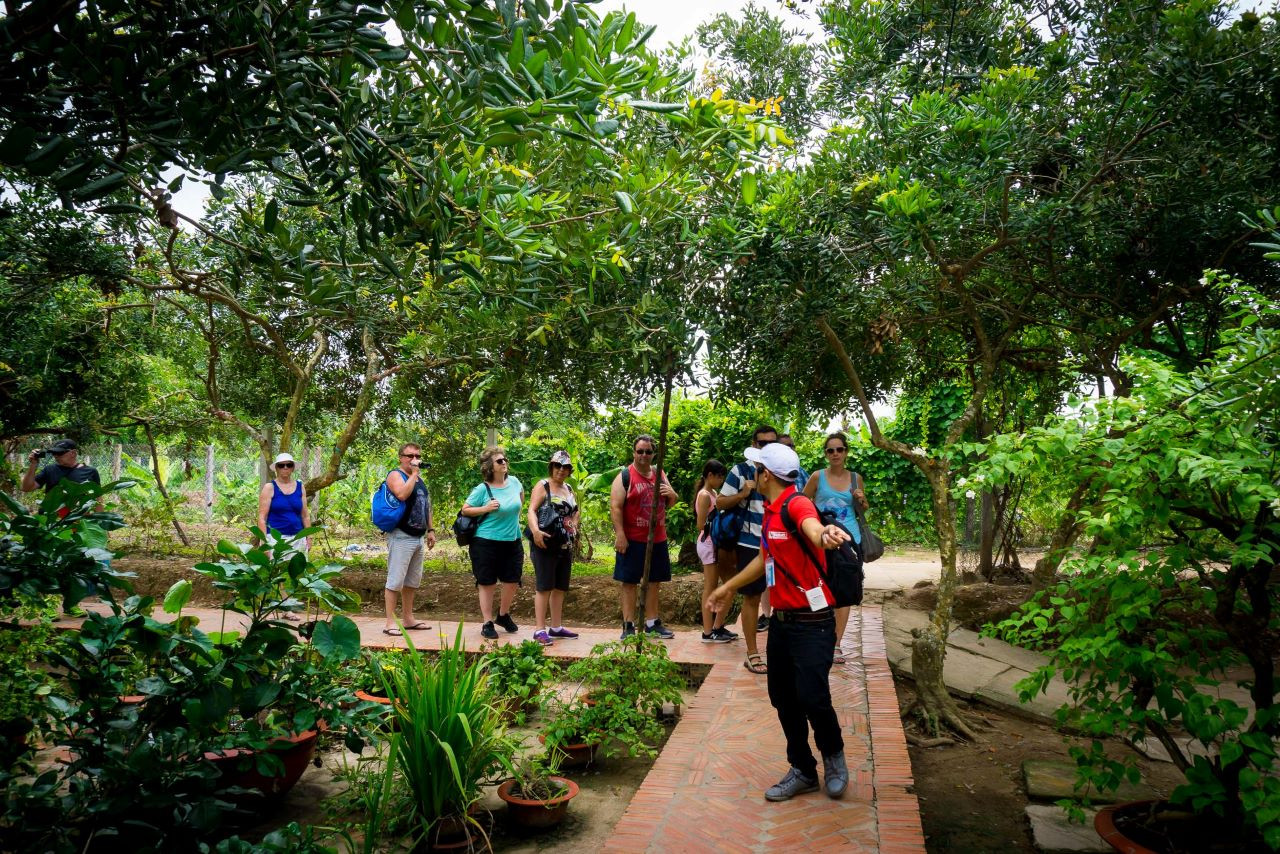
836	489
497	555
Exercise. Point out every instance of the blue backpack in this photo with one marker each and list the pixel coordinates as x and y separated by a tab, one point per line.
384	508
724	526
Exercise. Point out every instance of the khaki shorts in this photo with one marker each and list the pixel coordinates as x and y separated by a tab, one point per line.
404	560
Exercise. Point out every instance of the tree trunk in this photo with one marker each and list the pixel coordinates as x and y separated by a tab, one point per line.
266	451
657	495
155	469
116	451
928	649
1064	537
987	533
929	644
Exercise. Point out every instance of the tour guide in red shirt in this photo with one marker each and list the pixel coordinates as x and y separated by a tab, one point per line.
802	630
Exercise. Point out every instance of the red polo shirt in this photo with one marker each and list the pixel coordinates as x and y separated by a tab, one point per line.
786	552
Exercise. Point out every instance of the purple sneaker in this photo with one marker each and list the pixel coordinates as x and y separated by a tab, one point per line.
542	637
563	633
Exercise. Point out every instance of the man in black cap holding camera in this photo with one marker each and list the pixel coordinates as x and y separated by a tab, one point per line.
66	465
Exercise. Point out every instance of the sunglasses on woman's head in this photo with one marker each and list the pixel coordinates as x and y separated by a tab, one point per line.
830	451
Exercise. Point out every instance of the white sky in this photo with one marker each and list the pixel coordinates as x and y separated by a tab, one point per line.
676	19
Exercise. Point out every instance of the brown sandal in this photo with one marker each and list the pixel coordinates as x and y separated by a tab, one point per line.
755	663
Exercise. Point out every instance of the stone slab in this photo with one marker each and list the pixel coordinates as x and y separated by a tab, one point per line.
1054	834
998	650
966	674
1151	748
1001	693
1052	779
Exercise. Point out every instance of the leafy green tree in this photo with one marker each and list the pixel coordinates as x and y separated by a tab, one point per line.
983	212
1144	636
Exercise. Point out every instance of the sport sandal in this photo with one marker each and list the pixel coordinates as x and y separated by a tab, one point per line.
755	663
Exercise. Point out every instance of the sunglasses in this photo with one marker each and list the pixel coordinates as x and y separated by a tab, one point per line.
644	452
284	465
565	466
831	451
500	461
412	456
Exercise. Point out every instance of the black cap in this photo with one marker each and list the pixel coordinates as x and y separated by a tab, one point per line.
63	445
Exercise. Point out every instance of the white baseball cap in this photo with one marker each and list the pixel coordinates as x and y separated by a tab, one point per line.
284	458
780	460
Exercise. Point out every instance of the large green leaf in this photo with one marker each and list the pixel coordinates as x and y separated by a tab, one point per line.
338	638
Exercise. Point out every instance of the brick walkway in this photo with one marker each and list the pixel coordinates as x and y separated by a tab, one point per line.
705	791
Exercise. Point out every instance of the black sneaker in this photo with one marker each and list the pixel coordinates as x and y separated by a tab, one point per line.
728	632
507	623
488	631
723	635
660	630
715	636
762	624
628	629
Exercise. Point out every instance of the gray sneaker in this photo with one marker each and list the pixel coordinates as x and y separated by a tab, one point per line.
836	775
789	786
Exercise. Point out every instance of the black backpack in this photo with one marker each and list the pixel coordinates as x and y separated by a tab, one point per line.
843	575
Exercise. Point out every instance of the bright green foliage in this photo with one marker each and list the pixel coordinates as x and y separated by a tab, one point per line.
131	765
518	674
44	553
628	682
450	738
1188	462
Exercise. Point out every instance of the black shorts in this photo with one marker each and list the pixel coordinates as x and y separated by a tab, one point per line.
746	554
629	568
550	568
496	560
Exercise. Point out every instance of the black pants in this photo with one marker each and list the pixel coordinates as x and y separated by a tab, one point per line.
799	656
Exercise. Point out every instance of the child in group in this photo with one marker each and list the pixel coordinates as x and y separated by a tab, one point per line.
704	500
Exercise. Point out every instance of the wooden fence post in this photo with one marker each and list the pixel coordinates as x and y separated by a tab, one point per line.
116	450
208	484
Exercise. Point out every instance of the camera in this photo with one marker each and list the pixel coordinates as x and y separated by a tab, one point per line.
41	453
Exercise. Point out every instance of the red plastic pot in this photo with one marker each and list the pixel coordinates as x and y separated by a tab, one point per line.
537	814
294	751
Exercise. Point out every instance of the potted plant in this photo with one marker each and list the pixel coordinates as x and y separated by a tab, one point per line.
627	681
1177	490
371	674
517	675
450	739
536	796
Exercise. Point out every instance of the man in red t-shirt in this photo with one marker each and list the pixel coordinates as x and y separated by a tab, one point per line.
631	508
802	629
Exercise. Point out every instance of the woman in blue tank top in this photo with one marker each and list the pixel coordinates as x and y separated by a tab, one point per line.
835	489
282	502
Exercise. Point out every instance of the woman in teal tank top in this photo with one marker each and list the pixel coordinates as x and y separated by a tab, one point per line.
836	489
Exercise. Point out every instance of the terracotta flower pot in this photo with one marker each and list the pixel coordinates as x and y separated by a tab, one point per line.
1105	824
455	833
373	698
294	751
537	814
1158	827
577	755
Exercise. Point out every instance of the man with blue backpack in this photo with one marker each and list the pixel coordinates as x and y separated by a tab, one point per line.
402	508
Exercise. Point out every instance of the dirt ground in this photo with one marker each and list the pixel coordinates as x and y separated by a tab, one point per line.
606	787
